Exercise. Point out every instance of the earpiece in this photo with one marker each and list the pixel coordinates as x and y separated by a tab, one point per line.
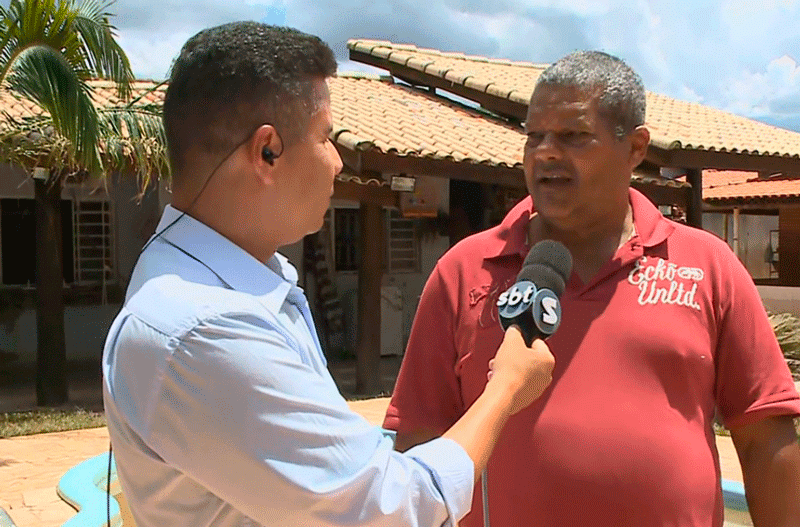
268	155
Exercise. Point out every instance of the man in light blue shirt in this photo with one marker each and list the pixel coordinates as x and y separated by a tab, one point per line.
220	407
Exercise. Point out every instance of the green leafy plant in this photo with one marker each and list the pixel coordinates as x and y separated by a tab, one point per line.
41	421
787	330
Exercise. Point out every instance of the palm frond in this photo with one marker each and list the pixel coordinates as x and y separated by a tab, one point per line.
32	142
103	55
42	75
41	23
133	139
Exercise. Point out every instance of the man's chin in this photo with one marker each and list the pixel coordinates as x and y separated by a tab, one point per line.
552	212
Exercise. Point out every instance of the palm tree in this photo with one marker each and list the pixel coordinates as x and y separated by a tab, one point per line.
49	51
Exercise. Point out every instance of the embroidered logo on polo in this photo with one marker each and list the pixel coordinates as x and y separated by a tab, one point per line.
662	282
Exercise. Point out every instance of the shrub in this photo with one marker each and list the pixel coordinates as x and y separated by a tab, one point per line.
787	330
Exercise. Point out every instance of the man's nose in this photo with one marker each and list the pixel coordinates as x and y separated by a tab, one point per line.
339	164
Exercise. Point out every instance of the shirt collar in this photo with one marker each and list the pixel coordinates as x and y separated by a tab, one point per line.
272	282
511	236
651	226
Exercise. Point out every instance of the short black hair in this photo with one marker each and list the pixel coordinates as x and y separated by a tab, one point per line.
230	79
622	98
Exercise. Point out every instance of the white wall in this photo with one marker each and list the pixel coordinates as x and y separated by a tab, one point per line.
85	329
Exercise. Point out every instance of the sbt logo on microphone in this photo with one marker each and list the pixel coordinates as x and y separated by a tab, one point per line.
524	296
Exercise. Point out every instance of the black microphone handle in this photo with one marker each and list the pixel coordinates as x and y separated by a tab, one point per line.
524	322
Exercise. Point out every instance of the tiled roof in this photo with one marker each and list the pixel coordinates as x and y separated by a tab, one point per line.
674	124
371	112
732	185
104	93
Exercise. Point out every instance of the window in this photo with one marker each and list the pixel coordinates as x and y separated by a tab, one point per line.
87	251
346	239
18	241
402	247
93	255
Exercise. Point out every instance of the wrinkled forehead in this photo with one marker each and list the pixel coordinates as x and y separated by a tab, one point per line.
552	95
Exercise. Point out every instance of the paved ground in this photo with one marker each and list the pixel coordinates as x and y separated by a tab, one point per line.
30	467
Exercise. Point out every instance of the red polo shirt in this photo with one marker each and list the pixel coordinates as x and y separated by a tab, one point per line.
671	328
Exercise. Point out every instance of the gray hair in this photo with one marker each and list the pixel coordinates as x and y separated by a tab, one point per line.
622	98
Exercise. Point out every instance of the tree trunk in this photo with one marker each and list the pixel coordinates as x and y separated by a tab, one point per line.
51	353
370	272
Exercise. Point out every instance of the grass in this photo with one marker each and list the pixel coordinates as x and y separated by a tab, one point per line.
13	424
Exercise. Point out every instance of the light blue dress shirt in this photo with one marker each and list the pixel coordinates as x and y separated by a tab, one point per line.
222	412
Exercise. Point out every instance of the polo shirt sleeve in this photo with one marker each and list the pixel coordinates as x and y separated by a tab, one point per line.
427	395
752	379
237	411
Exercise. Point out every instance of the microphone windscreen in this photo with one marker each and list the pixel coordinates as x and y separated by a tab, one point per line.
551	254
543	276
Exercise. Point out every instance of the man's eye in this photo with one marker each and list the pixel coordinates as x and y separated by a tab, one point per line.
572	137
534	139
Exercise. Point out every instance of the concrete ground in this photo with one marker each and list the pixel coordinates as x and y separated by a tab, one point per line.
31	466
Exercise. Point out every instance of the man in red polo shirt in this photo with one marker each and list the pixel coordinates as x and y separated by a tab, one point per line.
662	327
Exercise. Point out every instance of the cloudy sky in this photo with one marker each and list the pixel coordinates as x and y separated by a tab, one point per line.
737	55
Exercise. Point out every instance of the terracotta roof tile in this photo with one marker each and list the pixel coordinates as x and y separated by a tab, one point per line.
104	94
373	113
732	185
673	124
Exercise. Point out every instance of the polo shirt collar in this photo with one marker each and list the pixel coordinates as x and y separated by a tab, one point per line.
511	236
271	282
651	226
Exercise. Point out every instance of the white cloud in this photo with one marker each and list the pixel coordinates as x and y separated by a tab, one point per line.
731	54
771	93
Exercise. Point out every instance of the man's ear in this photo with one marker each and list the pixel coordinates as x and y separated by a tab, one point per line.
640	139
264	147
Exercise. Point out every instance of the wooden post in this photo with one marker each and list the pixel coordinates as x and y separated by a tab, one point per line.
370	273
694	212
789	246
51	355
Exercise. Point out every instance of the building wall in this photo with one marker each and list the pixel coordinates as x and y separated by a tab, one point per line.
399	289
135	222
780	299
754	240
86	324
790	246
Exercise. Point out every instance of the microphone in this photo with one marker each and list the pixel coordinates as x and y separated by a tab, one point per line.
532	303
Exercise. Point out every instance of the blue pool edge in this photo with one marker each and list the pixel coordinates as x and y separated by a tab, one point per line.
83	487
